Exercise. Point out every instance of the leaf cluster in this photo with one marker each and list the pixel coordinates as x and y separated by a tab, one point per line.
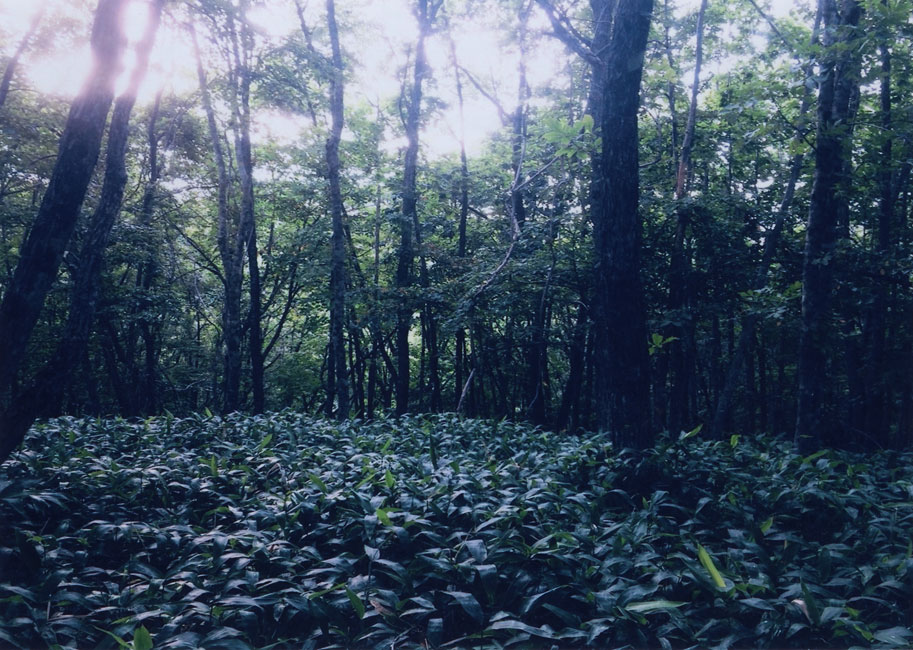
237	532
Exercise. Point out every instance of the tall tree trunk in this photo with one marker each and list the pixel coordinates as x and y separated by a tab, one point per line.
680	267
425	11
877	389
246	237
231	308
338	377
459	364
619	310
838	76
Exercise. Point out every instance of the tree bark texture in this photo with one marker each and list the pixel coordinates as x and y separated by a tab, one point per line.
619	311
425	10
43	249
838	76
338	385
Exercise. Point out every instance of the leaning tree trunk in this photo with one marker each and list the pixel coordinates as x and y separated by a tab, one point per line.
832	150
46	393
42	251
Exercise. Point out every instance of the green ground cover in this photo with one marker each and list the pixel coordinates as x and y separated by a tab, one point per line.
287	531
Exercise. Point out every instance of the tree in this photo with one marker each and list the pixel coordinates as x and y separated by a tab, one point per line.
425	12
838	77
44	395
237	236
619	310
42	251
622	388
338	380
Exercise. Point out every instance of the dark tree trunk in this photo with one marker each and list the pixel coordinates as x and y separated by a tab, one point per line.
148	270
338	383
619	311
838	76
231	308
877	389
680	268
80	144
425	11
46	393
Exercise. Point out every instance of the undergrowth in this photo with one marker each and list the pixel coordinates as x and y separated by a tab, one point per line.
286	531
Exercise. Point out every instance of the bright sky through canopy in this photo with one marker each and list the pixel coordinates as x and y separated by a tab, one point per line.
60	58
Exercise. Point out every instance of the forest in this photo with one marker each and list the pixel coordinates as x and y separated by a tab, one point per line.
451	323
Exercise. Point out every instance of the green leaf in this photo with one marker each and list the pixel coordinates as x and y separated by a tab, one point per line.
518	626
384	517
469	604
120	641
895	636
708	564
389	480
647	606
766	525
316	480
142	640
265	442
696	430
357	605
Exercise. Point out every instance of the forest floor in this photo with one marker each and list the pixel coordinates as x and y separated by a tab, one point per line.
286	531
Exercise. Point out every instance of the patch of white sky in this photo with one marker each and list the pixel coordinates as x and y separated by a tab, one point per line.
382	36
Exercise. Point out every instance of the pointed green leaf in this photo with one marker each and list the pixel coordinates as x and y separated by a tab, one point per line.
357	605
647	606
469	604
707	561
142	640
316	480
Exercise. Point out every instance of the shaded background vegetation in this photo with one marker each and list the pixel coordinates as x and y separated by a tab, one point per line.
215	290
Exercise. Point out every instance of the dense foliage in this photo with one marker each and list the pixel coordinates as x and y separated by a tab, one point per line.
236	532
